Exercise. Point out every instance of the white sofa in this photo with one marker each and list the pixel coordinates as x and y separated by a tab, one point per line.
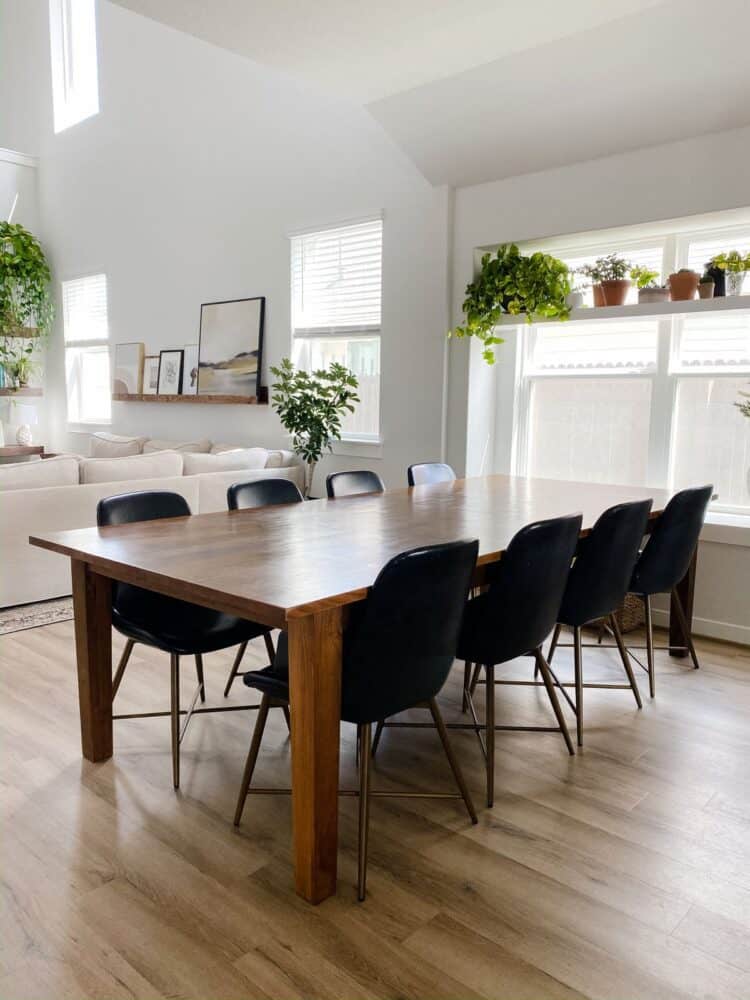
28	573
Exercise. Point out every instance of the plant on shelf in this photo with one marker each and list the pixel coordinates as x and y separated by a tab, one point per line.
734	265
683	284
609	279
649	289
25	303
311	406
744	405
511	282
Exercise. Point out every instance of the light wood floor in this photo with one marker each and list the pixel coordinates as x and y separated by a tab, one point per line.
623	873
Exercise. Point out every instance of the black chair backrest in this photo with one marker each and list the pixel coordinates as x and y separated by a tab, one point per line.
262	493
667	554
429	472
400	643
350	484
520	608
146	505
601	573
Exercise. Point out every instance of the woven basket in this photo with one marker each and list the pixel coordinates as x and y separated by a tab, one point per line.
631	615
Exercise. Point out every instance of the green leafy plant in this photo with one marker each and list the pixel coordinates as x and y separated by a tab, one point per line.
311	406
744	405
24	282
643	277
511	282
609	268
733	261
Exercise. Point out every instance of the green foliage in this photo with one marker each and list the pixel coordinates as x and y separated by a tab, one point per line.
311	405
609	268
644	278
24	281
510	282
732	261
744	407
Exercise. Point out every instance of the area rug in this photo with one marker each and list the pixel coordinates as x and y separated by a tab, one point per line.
33	615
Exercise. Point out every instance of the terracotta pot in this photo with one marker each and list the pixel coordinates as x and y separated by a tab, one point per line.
646	295
683	285
598	295
616	291
706	290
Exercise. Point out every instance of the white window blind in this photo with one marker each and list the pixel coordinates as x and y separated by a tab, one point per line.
75	85
86	335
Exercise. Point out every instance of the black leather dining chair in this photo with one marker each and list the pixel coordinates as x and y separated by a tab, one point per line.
598	582
174	626
664	561
351	484
424	473
398	649
247	496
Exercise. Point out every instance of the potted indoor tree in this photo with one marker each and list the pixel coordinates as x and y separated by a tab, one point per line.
735	266
311	406
510	282
649	290
609	279
25	303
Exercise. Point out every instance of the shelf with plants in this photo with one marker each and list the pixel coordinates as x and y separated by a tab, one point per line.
26	390
644	310
26	309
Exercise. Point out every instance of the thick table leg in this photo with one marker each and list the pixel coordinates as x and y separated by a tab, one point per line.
686	590
92	606
315	703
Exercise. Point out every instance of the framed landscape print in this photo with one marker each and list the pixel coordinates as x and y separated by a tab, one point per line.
150	374
230	352
170	373
127	377
190	370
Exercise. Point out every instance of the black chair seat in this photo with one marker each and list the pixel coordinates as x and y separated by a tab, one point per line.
177	626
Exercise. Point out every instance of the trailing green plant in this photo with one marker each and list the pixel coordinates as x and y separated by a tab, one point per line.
511	282
25	299
311	406
744	407
733	261
609	268
643	277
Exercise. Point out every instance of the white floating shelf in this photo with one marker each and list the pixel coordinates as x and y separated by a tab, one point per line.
691	307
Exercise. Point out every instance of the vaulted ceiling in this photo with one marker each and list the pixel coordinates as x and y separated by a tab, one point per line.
483	89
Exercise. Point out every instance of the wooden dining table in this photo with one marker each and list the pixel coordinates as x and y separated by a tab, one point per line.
301	567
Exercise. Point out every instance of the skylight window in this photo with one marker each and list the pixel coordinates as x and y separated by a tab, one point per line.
75	83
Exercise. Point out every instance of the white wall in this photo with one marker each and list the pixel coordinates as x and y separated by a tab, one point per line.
184	190
700	175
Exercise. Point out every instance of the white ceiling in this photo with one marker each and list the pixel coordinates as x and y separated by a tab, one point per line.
483	89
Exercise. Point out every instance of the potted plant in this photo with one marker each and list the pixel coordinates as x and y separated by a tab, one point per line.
706	286
574	298
511	282
649	290
735	266
683	284
716	275
609	281
311	406
25	303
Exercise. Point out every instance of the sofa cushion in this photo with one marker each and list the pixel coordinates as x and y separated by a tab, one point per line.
105	445
155	465
59	471
280	459
241	458
219	449
156	444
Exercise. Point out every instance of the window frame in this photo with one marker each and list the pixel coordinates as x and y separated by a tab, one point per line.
75	85
78	343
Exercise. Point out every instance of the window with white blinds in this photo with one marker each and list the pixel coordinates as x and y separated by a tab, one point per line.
86	335
75	85
646	401
336	311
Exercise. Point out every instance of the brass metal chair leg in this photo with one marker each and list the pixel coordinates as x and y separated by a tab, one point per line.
235	667
578	664
457	773
269	647
365	738
199	672
553	644
252	756
626	660
650	646
541	666
174	662
489	725
467	681
121	666
677	605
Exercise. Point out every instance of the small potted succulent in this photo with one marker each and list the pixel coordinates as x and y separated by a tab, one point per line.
735	266
706	286
649	290
683	284
609	279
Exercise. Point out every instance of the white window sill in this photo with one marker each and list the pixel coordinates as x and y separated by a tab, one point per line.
727	529
359	447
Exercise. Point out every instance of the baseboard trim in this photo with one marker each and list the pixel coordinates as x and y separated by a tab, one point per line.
726	631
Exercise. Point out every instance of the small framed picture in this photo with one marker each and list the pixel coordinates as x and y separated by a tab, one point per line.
169	382
127	378
150	374
190	371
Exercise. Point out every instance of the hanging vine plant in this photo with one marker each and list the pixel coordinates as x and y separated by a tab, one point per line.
510	282
25	299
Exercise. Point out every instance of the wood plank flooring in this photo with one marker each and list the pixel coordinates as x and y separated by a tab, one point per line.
621	874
